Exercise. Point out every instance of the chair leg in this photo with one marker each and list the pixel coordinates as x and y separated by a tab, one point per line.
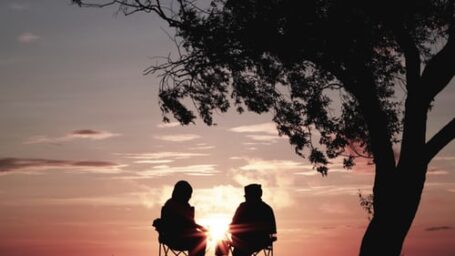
165	250
265	251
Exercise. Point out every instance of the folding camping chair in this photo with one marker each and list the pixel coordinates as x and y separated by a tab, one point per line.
266	251
164	248
168	250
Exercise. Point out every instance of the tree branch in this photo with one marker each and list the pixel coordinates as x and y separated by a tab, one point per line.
364	92
411	55
412	138
130	7
440	140
440	69
82	3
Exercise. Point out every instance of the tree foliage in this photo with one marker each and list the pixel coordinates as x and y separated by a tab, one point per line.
290	58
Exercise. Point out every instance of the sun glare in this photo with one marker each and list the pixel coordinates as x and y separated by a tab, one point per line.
217	226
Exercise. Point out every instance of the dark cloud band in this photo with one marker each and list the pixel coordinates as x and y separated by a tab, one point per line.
13	164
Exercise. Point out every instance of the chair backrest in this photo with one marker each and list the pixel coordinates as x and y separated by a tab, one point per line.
273	238
158	224
164	248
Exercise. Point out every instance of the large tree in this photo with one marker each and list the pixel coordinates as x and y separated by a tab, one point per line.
338	67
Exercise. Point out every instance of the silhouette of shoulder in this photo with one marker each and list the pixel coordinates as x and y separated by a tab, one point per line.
248	211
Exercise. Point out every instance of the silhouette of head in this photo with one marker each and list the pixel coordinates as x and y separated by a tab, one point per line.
253	192
182	191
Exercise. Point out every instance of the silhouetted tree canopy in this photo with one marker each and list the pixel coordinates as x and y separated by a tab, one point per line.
287	57
363	74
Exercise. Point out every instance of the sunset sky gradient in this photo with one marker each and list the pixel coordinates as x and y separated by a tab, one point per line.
86	163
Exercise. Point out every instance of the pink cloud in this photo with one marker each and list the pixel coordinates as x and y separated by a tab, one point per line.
437	171
438	228
12	164
73	135
178	137
27	38
169	125
192	170
268	128
92	134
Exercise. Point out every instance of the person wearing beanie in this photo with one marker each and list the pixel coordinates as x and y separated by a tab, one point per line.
253	226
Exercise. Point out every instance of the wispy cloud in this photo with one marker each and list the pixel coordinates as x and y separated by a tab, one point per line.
297	167
265	133
444	158
308	172
148	198
158	161
269	128
131	199
74	135
436	171
192	170
160	157
268	138
27	38
37	164
255	143
92	134
202	146
438	228
256	164
178	137
168	125
350	189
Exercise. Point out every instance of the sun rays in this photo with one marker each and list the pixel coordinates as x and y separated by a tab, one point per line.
217	226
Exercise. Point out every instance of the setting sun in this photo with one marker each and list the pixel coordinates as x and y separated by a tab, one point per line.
217	226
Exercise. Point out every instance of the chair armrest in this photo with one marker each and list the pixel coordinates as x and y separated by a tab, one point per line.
273	237
157	223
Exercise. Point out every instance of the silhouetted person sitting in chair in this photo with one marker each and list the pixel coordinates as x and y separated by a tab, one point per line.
177	227
253	226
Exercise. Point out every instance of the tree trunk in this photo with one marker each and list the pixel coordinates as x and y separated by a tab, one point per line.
395	205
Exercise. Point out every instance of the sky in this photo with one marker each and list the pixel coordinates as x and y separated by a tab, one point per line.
86	162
